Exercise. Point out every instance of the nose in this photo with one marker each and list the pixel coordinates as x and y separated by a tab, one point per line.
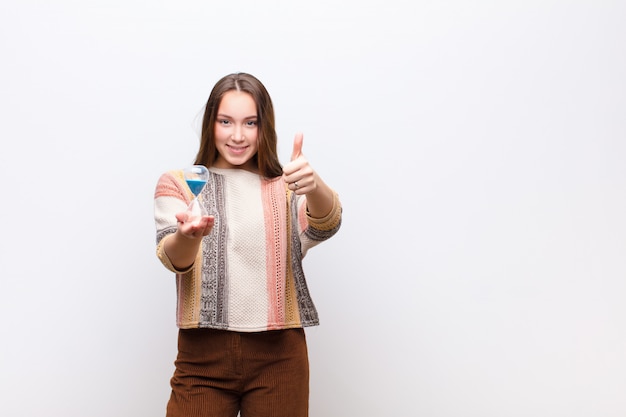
238	134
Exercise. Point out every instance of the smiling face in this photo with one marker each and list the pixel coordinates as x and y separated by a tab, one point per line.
236	131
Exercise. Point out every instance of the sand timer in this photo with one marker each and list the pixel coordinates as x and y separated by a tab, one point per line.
196	177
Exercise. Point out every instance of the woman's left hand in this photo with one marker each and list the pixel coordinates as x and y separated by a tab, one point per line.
298	174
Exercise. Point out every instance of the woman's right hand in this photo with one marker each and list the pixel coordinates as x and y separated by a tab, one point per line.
194	228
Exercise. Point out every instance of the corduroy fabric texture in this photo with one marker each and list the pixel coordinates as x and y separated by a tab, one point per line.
220	373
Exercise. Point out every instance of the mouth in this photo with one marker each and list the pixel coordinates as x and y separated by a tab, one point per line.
237	149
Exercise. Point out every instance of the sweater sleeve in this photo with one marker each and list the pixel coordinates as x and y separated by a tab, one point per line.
316	230
170	197
331	221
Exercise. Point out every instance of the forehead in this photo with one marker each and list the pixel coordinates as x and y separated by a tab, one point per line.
237	103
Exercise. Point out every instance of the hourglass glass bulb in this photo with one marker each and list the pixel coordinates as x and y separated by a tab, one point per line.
196	177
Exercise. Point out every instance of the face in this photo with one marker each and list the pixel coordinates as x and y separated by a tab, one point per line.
236	131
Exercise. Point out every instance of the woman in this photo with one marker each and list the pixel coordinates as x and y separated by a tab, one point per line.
243	300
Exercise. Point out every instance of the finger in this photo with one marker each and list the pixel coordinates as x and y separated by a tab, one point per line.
198	227
209	225
297	146
182	217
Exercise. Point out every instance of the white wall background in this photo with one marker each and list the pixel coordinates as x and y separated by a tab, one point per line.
479	149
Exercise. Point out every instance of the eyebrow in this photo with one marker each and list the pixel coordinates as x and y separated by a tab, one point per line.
230	117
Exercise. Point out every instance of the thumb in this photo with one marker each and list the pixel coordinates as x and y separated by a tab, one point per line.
297	146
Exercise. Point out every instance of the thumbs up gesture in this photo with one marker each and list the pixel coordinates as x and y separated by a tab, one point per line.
298	174
302	179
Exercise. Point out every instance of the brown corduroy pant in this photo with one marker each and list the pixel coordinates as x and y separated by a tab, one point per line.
221	373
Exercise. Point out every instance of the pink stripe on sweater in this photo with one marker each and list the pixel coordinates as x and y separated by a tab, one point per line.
275	215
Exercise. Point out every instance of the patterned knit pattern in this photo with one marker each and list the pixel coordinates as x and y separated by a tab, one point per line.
248	273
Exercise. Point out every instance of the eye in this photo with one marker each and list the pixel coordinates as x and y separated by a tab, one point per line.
251	123
223	122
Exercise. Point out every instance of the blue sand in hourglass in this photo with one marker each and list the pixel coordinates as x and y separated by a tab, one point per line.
196	185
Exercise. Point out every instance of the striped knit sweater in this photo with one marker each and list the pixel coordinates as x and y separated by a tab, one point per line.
248	273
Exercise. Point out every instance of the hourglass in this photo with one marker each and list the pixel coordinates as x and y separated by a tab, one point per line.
196	177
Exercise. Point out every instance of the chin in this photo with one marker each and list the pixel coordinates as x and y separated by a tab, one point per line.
240	163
